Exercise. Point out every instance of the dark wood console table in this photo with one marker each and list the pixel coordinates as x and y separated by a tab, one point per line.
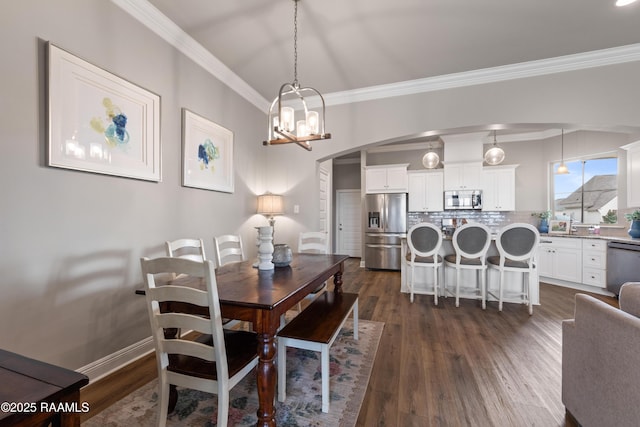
34	393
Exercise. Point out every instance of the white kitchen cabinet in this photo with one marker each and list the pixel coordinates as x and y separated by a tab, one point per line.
386	179
463	176
594	262
560	258
499	188
633	174
425	191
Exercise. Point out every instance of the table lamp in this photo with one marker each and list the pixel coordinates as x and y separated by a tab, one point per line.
270	205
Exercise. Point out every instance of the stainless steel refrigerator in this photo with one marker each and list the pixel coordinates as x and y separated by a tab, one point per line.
385	226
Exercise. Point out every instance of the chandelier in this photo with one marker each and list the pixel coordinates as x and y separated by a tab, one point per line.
283	126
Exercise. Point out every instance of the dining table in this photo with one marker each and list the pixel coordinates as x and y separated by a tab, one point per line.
262	297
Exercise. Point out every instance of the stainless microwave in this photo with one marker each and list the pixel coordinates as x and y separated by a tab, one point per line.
463	199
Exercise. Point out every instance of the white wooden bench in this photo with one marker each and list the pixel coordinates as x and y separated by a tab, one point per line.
316	328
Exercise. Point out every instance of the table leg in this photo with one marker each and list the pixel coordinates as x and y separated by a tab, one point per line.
337	282
267	375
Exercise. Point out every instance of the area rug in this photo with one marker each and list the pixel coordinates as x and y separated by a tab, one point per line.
350	365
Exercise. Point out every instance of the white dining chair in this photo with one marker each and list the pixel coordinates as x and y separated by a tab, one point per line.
216	360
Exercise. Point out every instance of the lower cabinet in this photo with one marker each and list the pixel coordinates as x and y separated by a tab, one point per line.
560	258
581	261
594	262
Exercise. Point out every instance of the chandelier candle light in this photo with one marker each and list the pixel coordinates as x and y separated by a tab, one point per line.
283	126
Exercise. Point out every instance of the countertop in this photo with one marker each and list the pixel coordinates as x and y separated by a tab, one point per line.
593	236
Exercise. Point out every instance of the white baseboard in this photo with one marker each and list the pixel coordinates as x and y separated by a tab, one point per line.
113	362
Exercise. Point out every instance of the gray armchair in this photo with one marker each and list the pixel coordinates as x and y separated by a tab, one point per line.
601	360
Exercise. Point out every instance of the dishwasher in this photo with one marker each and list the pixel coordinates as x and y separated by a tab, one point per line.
623	264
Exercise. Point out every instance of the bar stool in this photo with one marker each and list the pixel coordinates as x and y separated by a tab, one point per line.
517	245
471	243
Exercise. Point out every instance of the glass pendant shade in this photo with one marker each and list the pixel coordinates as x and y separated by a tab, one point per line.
494	155
430	160
562	169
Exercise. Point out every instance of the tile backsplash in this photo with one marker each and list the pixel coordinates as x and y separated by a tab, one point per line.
496	220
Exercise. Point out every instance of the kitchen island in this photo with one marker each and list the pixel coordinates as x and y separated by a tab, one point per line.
569	260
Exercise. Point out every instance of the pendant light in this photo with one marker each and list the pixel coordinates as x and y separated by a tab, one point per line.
624	2
283	126
431	159
494	155
562	168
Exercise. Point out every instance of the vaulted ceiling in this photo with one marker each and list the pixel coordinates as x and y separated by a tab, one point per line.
353	50
353	44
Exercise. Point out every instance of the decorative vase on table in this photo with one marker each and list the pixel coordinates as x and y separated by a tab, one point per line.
543	227
634	229
265	248
282	255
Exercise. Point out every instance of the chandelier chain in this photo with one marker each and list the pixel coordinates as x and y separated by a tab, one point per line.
295	44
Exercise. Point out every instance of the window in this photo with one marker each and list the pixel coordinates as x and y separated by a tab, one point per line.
588	194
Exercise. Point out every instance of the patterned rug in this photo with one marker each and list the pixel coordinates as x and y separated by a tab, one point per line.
350	365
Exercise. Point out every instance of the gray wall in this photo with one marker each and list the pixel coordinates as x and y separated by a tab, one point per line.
70	241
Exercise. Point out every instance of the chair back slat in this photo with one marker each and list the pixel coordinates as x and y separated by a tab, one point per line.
228	249
192	249
313	242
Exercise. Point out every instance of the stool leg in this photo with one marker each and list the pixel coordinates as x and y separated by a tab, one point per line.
457	286
483	285
325	378
355	320
413	275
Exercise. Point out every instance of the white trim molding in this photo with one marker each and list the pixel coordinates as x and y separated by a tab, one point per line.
159	23
112	362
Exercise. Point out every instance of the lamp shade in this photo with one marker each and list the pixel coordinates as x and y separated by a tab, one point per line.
270	204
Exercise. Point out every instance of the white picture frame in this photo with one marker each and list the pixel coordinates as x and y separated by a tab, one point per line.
207	154
99	122
559	226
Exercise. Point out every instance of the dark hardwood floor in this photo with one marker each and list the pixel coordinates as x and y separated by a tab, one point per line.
439	365
447	366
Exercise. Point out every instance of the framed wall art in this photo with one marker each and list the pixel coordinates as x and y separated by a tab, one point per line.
99	122
207	154
559	226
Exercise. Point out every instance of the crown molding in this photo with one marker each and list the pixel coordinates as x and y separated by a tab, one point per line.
157	22
580	61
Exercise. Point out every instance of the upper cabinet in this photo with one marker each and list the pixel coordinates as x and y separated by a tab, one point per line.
463	176
386	179
633	174
499	188
425	191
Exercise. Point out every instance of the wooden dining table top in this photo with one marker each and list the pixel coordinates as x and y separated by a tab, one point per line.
240	284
